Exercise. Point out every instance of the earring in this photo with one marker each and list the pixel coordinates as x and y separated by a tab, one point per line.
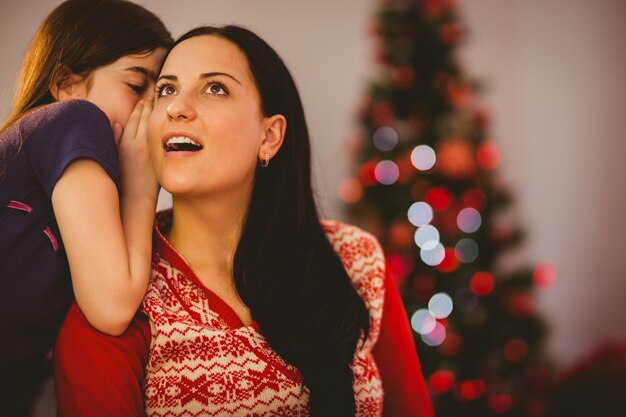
266	160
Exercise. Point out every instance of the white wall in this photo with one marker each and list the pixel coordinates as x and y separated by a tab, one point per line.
556	71
556	76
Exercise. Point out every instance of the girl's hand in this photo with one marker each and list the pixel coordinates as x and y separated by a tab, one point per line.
137	174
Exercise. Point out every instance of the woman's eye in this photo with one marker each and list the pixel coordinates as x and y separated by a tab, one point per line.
165	90
216	89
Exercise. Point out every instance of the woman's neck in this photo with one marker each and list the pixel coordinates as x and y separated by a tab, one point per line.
206	233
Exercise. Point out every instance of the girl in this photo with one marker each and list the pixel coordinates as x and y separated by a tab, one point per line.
59	182
255	307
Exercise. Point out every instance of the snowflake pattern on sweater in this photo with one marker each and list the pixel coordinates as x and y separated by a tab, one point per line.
202	364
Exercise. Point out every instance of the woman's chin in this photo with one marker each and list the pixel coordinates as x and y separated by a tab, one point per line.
179	186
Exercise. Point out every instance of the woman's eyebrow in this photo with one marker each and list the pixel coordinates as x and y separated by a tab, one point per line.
150	74
202	76
213	74
168	77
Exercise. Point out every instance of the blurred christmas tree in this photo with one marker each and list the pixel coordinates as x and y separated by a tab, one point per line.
426	186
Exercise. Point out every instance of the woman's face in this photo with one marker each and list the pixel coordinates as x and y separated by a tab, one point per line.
206	129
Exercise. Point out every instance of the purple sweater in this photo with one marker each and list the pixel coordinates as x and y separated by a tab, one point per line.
35	285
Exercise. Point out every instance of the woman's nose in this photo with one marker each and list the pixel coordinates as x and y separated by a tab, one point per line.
181	107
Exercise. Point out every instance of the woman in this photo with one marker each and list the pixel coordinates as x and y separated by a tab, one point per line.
59	181
254	307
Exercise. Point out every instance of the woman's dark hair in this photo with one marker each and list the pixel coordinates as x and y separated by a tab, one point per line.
81	36
285	269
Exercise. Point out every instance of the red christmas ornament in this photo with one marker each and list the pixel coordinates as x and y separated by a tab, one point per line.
373	29
399	266
544	275
458	94
439	198
441	381
450	262
350	190
455	158
366	173
406	168
451	345
403	77
521	305
379	56
499	403
445	222
469	389
482	118
452	33
401	234
482	283
381	113
474	198
515	350
488	155
432	9
500	233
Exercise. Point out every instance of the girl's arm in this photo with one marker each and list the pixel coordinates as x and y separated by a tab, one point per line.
395	355
108	243
98	375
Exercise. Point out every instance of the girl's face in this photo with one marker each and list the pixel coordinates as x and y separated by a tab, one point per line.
116	88
207	128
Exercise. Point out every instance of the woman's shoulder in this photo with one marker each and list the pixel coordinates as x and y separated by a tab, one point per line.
364	261
349	240
340	229
361	255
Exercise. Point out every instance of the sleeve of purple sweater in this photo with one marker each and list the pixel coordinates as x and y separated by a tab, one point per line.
63	132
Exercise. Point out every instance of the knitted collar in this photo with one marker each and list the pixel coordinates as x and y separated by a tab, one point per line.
165	250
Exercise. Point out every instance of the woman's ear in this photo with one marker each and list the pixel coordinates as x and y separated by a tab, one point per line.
67	85
274	128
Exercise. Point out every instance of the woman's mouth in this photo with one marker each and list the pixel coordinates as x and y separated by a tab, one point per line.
181	144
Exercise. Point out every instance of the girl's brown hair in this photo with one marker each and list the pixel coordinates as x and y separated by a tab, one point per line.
80	36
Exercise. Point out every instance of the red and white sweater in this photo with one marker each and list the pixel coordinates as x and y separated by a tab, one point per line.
191	355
